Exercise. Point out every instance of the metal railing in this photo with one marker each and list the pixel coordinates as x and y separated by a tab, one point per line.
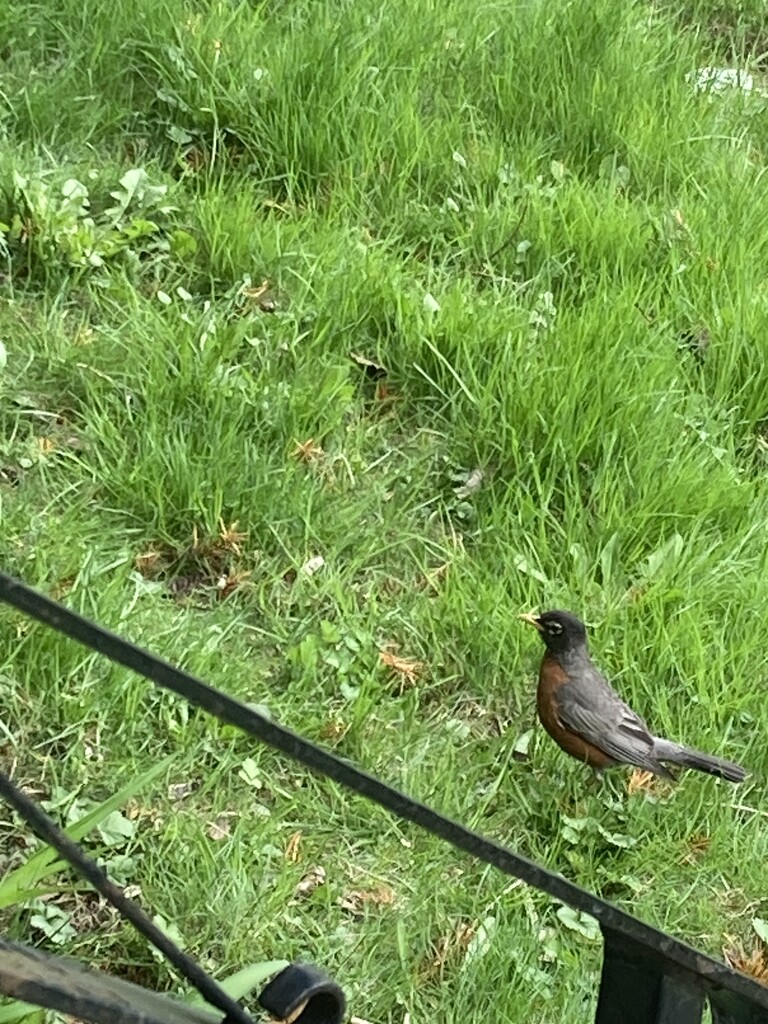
648	976
300	993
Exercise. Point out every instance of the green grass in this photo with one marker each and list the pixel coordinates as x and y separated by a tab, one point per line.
546	176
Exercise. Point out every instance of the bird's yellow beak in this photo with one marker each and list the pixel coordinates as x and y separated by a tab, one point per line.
532	620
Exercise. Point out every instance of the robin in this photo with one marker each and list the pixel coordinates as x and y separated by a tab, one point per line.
588	719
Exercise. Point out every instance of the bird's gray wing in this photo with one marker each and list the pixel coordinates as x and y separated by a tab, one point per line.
590	708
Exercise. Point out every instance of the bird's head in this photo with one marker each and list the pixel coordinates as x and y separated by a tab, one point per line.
560	631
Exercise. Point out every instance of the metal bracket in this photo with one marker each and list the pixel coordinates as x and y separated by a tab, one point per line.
299	994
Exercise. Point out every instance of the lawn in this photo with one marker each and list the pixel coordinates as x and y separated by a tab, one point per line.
334	336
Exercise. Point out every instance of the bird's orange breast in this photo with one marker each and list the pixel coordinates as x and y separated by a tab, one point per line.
552	676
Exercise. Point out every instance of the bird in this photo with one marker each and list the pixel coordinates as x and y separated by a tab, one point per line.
587	718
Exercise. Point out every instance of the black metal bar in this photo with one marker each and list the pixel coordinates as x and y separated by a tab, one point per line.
300	992
710	973
50	833
637	986
59	983
729	1008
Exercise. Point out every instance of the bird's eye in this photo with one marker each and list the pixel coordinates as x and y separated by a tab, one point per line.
554	628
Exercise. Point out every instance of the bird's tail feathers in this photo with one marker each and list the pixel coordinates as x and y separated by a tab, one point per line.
665	750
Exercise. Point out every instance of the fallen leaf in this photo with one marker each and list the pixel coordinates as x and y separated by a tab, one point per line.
697	845
219	829
307	451
254	293
227	584
640	781
313	879
139	812
355	901
292	847
312	565
146	561
406	670
473	483
231	537
522	745
333	729
373	370
178	790
448	951
755	964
